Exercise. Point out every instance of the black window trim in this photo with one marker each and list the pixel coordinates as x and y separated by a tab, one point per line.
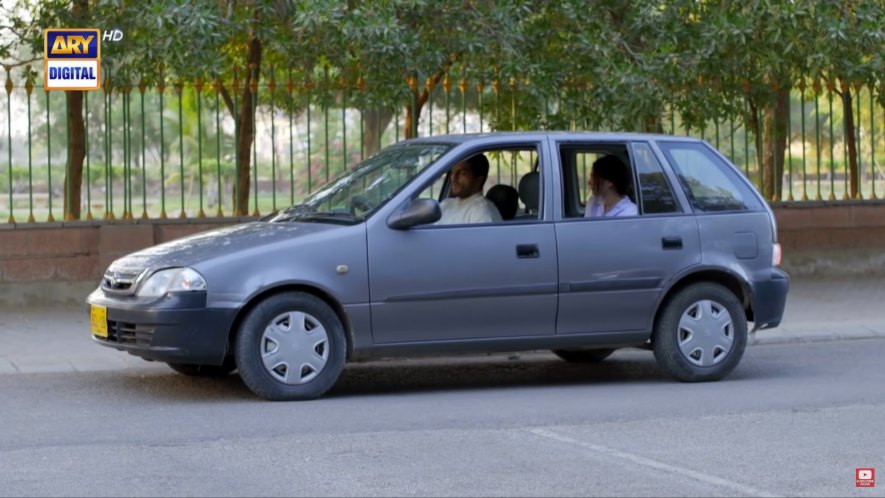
680	207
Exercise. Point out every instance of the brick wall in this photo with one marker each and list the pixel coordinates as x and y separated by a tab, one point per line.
823	227
81	251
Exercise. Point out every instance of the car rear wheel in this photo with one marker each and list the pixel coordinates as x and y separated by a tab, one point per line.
701	334
192	370
583	355
290	346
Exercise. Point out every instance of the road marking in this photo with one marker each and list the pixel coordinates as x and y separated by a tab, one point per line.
654	464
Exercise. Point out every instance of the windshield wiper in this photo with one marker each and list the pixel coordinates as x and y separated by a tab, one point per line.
285	214
331	216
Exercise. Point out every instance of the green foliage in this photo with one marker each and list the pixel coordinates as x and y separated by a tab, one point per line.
589	64
619	63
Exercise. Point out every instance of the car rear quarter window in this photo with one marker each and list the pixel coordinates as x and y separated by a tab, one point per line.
710	184
654	189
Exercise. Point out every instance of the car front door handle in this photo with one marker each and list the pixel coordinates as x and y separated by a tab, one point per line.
671	242
527	251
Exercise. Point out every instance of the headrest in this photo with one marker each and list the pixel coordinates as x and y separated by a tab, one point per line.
529	187
505	198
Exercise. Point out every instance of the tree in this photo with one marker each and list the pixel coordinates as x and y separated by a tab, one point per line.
729	54
165	44
851	42
589	63
395	53
25	46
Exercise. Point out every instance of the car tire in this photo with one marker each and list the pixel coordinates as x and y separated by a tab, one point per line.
290	346
193	370
583	355
701	334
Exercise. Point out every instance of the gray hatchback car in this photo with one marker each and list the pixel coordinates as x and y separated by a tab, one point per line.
364	269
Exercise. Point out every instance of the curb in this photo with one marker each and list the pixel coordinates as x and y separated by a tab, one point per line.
800	334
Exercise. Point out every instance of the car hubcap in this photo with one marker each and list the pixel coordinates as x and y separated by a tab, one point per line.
706	333
294	348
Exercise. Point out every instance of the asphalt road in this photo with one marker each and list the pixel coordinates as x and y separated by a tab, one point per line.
792	420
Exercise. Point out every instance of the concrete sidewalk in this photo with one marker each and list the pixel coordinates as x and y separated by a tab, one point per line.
37	339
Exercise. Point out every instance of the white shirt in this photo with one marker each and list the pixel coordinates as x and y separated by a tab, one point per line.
474	209
596	208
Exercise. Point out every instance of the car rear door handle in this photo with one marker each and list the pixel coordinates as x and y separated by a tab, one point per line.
527	251
671	242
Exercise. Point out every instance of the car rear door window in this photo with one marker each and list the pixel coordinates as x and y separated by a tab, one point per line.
577	161
710	184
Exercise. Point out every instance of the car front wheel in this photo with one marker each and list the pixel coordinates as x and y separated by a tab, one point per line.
290	346
701	333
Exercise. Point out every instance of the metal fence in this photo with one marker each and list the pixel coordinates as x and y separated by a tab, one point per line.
157	153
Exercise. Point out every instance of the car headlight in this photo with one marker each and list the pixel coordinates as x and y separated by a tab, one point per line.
172	280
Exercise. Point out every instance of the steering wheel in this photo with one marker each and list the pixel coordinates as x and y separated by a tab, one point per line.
359	203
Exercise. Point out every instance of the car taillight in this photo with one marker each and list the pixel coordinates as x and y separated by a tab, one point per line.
776	254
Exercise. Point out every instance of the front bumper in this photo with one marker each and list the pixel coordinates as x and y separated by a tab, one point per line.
178	328
769	298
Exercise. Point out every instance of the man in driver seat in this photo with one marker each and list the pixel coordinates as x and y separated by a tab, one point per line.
466	203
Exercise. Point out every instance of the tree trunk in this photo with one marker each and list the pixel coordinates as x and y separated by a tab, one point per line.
411	131
76	139
774	146
420	98
850	140
651	123
756	127
377	120
76	155
246	129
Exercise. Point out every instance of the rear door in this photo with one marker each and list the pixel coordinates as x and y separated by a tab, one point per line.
613	269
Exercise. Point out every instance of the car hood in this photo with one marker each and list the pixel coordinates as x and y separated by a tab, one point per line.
204	246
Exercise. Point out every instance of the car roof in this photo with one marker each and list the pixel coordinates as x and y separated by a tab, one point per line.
556	135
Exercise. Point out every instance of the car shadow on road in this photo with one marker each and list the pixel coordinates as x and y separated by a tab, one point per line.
491	373
415	375
622	369
436	375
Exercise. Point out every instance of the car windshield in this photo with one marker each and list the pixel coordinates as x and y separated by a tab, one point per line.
353	196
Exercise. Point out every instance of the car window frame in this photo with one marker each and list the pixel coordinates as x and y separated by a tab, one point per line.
560	207
538	144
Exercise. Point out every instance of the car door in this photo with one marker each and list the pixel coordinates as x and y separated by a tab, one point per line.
460	282
613	269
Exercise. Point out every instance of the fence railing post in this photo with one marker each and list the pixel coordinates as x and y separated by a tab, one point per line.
161	87
29	88
144	185
179	90
218	134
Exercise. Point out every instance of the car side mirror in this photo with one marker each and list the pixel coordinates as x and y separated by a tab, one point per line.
415	212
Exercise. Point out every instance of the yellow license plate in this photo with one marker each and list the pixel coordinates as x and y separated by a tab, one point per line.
99	318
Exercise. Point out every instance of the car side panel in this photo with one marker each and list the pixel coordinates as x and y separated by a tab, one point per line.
333	261
612	271
462	282
742	242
